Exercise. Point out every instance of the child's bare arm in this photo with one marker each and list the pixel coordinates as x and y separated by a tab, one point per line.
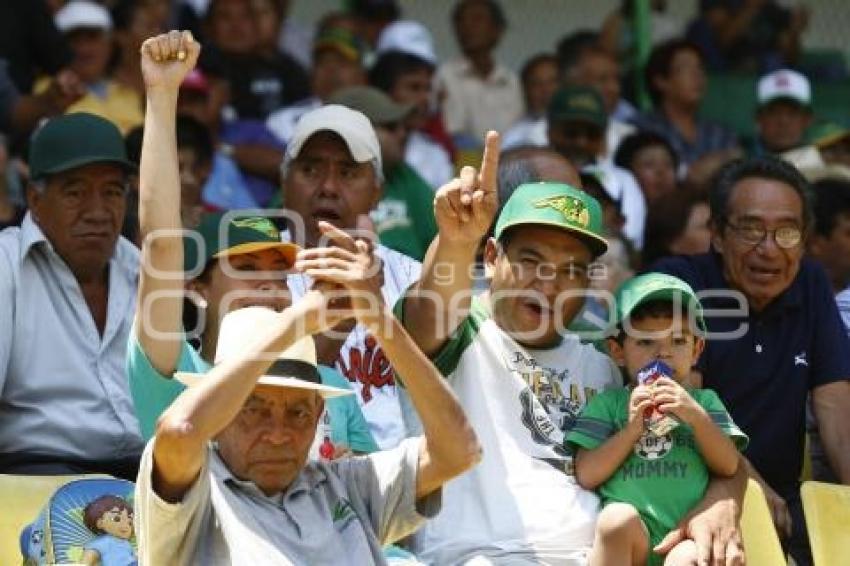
593	467
716	448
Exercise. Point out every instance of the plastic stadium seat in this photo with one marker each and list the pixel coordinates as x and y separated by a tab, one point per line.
23	498
761	543
827	509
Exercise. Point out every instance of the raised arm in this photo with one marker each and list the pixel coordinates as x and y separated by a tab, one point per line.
160	306
450	446
464	209
204	410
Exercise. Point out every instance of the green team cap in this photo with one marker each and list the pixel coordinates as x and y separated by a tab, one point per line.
241	235
74	140
557	205
655	287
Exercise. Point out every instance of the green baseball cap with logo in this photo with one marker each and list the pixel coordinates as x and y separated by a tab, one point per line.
74	140
557	205
576	103
237	235
655	287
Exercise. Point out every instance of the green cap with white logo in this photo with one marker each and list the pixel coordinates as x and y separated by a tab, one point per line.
557	205
225	235
655	287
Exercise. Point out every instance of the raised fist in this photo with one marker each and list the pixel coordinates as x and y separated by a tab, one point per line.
167	59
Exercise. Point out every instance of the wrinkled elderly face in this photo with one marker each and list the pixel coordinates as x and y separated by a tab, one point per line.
762	271
325	183
538	281
269	440
782	124
81	212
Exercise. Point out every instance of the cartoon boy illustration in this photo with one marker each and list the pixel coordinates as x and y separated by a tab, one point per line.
111	518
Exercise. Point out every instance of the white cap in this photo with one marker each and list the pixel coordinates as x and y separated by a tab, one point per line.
82	14
784	84
352	126
295	367
408	37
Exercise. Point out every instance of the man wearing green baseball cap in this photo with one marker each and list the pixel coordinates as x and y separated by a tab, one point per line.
68	284
520	375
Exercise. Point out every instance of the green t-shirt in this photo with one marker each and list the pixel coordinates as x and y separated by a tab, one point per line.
664	476
404	218
152	393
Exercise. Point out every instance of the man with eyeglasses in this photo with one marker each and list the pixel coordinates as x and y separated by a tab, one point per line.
779	339
68	284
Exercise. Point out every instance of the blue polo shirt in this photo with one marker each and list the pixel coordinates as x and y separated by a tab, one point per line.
794	345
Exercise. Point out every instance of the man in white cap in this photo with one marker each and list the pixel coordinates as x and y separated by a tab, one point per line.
784	111
87	26
333	172
405	70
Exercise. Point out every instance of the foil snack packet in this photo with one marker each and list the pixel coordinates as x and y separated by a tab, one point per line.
655	421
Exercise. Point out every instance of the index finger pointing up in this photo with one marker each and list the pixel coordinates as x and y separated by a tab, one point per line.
489	163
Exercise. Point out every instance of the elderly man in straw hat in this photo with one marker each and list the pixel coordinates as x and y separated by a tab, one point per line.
225	479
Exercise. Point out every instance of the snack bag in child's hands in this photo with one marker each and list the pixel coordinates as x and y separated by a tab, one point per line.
656	422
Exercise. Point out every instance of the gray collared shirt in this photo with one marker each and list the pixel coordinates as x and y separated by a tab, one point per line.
337	513
63	388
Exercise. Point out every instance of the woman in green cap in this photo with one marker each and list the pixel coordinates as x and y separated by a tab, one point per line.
231	262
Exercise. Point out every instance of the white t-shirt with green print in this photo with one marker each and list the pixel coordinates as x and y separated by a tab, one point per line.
521	504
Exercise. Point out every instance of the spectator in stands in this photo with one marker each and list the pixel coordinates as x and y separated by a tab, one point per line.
830	242
520	376
675	78
477	92
87	26
793	341
333	172
260	83
405	71
652	161
784	111
194	160
753	36
539	77
577	122
404	217
677	224
227	474
68	285
833	143
247	157
134	22
598	69
338	62
222	274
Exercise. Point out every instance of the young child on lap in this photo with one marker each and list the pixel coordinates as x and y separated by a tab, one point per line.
647	474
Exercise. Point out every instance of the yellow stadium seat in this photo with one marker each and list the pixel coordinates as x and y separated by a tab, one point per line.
761	543
827	509
23	498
